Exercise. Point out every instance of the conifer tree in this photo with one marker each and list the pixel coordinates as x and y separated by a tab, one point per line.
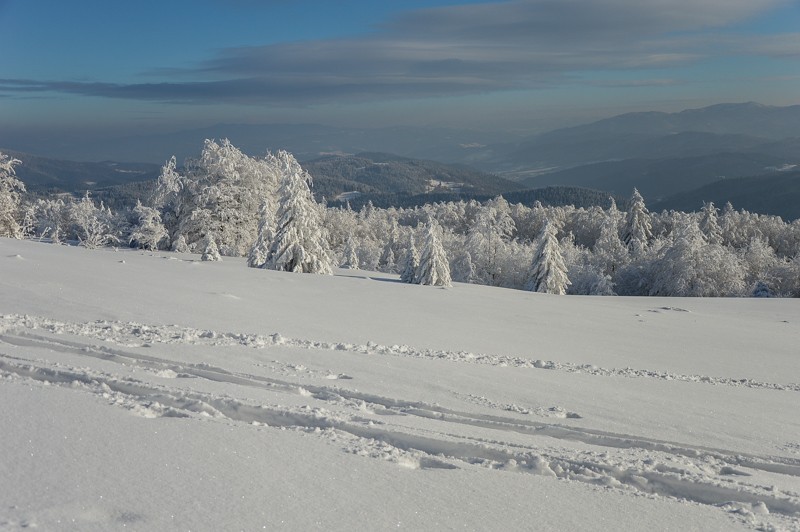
434	268
299	244
210	250
638	227
410	263
257	257
350	258
548	273
386	263
709	224
10	197
180	245
149	230
609	252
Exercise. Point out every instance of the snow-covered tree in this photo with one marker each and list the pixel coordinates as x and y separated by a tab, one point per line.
299	244
210	249
548	273
461	267
410	263
609	252
709	224
693	267
180	245
221	192
638	231
486	244
387	260
350	257
434	268
257	257
11	189
92	224
149	231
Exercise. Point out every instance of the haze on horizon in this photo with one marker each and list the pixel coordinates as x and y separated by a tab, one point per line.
97	68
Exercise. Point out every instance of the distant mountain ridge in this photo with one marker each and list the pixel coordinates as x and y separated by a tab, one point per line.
665	155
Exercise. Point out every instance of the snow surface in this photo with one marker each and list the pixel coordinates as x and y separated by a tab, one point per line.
153	391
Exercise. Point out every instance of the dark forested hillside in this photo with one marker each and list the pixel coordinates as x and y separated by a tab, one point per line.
41	173
660	178
379	173
777	194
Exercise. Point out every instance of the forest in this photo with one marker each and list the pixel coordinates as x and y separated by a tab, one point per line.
226	203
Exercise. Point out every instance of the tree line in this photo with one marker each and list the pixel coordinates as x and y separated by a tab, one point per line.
226	203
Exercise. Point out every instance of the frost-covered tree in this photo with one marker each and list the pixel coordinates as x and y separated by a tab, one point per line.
486	244
93	225
461	267
760	263
410	262
210	249
434	268
610	254
180	245
299	244
350	257
221	192
11	189
637	232
548	273
387	262
693	267
149	231
257	257
709	224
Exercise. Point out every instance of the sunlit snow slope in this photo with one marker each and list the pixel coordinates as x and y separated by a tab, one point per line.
152	391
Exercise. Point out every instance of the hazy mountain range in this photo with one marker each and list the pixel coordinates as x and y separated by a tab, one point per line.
679	158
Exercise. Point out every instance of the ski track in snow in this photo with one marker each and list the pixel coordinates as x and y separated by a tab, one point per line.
372	426
137	335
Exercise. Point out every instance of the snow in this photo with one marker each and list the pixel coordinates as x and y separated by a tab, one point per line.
150	390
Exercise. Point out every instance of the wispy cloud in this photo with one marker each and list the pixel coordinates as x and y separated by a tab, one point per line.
458	50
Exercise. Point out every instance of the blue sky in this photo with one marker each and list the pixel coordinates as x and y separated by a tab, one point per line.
149	66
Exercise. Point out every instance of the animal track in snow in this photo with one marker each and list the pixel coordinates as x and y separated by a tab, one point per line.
551	412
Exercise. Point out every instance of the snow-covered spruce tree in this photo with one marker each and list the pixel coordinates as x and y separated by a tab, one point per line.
638	231
350	257
387	262
548	273
149	231
709	224
609	252
410	262
257	257
299	244
434	268
11	189
461	267
210	249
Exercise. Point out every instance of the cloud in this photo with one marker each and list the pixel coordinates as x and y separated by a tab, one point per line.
447	51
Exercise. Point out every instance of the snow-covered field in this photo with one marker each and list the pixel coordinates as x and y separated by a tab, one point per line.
152	391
